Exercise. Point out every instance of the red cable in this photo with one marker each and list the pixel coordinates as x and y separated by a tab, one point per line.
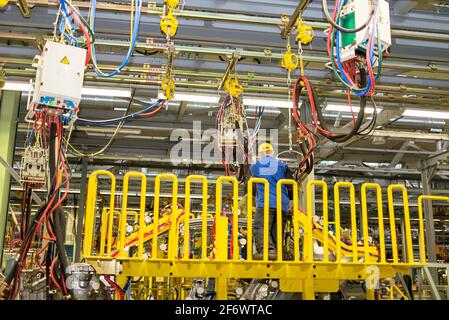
151	113
86	35
52	275
350	106
115	286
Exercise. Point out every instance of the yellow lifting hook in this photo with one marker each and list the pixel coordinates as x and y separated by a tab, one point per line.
3	3
169	88
169	22
290	60
305	33
171	3
233	87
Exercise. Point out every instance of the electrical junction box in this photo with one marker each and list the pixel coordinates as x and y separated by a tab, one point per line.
59	76
354	14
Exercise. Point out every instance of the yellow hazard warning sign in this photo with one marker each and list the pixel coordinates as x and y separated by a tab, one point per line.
65	60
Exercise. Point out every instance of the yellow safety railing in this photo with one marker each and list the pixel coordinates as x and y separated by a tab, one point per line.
308	228
365	234
331	240
124	214
279	213
337	225
421	199
204	183
172	247
91	205
221	222
408	232
266	209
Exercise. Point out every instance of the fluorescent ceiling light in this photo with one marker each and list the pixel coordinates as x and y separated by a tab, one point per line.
426	114
267	103
17	86
106	92
343	108
99	92
192	97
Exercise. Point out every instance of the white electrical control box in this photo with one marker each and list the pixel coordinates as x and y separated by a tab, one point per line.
354	14
59	76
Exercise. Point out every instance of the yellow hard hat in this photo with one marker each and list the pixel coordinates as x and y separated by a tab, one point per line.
265	147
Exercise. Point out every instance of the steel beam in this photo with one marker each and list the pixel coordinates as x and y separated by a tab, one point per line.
235	56
403	30
24	8
9	111
427	174
292	20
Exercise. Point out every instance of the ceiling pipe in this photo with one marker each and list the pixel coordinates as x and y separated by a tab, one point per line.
145	83
232	17
228	52
253	78
418	123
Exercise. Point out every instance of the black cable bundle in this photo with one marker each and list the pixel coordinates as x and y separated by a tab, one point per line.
311	122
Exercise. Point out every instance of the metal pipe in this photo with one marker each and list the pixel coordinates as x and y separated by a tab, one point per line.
229	52
231	65
403	122
254	89
231	17
24	8
251	78
292	20
388	151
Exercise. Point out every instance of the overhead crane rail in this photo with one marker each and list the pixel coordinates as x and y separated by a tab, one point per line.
221	255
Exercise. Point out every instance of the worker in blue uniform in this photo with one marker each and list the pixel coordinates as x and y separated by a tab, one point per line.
273	170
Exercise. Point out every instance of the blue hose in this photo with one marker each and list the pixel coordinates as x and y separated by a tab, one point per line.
138	4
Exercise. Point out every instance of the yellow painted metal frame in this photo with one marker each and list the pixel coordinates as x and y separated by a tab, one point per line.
309	271
204	183
124	214
378	189
266	209
91	205
422	245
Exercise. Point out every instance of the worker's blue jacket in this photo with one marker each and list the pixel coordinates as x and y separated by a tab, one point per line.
272	170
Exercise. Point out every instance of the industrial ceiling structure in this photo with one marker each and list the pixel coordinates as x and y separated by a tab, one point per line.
413	77
410	143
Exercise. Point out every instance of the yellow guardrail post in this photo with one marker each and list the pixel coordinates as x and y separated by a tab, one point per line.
103	229
124	214
266	208
279	185
91	205
354	239
408	231
422	245
189	180
174	210
221	234
325	216
378	189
